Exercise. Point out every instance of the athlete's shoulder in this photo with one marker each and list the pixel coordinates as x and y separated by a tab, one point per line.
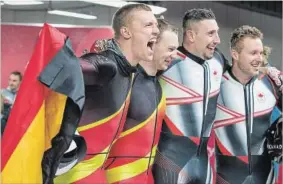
267	81
94	57
219	55
222	59
225	77
180	54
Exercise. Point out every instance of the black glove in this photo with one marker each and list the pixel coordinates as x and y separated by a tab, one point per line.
73	156
274	139
97	69
61	142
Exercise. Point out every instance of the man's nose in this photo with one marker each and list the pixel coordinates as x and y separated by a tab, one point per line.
155	30
217	39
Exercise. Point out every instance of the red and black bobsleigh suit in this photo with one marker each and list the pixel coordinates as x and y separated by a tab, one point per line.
108	82
131	157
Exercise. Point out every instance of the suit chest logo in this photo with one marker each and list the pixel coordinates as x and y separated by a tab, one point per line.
260	97
216	75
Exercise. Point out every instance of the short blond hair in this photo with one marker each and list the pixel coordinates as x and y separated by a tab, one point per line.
242	32
122	16
164	25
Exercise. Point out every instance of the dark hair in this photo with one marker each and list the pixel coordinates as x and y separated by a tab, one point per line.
121	16
163	25
243	32
18	74
196	15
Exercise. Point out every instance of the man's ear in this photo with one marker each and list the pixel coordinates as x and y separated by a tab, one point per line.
234	54
125	32
191	35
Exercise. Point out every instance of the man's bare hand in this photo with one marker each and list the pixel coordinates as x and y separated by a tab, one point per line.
275	74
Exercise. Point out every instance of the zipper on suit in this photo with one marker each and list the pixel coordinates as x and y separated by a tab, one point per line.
206	91
156	120
249	121
131	83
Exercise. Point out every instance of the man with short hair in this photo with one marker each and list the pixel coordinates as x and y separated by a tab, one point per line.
134	152
192	87
108	79
10	92
244	111
9	96
135	29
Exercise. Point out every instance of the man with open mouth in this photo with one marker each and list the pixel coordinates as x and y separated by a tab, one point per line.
132	155
109	76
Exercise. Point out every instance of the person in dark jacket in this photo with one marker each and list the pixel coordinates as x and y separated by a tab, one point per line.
131	157
5	111
108	79
8	97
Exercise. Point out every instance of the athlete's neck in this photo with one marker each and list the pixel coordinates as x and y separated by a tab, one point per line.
126	49
149	67
192	50
240	76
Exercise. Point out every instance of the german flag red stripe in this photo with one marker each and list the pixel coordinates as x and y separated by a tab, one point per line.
31	93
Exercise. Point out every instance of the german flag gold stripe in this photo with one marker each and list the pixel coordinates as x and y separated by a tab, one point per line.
33	153
46	122
55	106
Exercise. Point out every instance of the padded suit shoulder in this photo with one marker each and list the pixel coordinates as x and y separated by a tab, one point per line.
97	68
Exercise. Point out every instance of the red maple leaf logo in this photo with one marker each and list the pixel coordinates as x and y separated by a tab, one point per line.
260	95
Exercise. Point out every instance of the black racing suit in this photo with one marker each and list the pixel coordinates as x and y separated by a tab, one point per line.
108	82
132	156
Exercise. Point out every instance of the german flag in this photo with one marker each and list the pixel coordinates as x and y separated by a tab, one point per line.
46	112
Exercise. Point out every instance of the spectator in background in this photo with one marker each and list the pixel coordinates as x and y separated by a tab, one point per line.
5	111
10	92
8	96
